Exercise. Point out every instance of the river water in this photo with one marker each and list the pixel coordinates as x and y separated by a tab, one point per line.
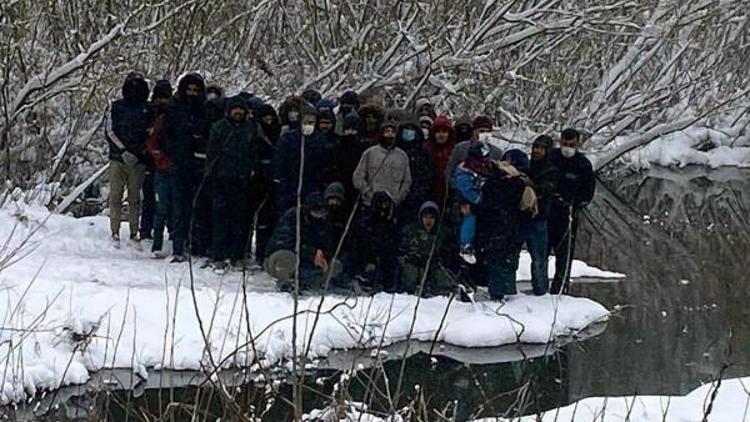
682	238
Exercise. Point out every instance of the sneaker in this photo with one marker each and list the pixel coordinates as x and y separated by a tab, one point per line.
177	259
220	267
465	293
467	254
157	254
115	239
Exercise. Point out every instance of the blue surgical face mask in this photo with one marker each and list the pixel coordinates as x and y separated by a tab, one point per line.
408	135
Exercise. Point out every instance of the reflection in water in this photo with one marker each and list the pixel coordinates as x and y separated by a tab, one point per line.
682	238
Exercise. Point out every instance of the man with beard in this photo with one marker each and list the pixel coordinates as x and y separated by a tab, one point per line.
127	129
383	168
346	157
232	157
187	130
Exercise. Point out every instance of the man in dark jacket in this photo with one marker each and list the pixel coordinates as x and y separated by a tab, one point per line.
129	123
411	140
346	157
232	158
316	246
416	244
185	139
286	162
263	190
544	175
499	241
289	113
464	129
348	106
374	245
215	103
575	189
338	214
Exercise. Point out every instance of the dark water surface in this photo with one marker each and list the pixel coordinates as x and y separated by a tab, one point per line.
683	239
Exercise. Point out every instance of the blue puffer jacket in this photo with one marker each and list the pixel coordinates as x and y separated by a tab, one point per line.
469	184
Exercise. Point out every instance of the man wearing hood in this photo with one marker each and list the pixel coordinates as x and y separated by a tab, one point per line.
161	98
372	116
348	105
232	158
215	103
346	157
338	215
326	124
126	131
383	168
286	162
463	128
575	190
289	113
417	243
186	134
424	107
482	126
440	145
316	246
421	168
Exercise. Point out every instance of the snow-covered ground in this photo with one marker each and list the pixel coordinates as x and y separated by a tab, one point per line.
70	303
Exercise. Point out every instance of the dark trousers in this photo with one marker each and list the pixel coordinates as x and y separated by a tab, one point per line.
563	229
163	188
182	203
148	205
534	234
497	269
201	217
262	201
229	216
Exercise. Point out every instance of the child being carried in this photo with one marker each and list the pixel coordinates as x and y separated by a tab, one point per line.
469	177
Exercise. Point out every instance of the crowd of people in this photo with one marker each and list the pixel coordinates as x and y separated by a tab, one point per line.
341	190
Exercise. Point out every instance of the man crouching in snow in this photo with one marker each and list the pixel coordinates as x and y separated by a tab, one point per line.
316	247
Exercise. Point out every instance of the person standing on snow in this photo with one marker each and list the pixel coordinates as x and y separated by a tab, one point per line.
346	157
161	97
544	175
286	162
482	127
575	189
421	168
468	180
130	120
383	168
440	146
186	129
263	190
232	158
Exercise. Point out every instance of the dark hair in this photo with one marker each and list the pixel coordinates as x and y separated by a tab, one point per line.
570	134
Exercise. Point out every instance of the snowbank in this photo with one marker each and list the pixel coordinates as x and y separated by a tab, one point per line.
732	404
693	146
73	304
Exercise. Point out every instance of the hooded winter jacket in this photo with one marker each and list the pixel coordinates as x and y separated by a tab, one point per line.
421	166
440	154
416	241
232	151
130	119
187	128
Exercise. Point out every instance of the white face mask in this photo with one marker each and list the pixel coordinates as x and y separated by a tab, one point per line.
567	152
485	137
308	130
293	116
426	132
211	96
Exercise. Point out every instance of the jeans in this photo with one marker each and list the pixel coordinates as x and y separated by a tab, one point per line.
534	233
164	200
468	229
122	175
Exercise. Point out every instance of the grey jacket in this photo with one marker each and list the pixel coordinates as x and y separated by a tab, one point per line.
461	152
382	169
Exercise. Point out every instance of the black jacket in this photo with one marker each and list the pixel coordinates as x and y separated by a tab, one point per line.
545	177
315	234
186	131
499	215
232	152
422	173
129	122
346	156
577	181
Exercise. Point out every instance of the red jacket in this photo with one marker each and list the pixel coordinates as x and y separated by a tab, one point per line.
161	161
441	154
